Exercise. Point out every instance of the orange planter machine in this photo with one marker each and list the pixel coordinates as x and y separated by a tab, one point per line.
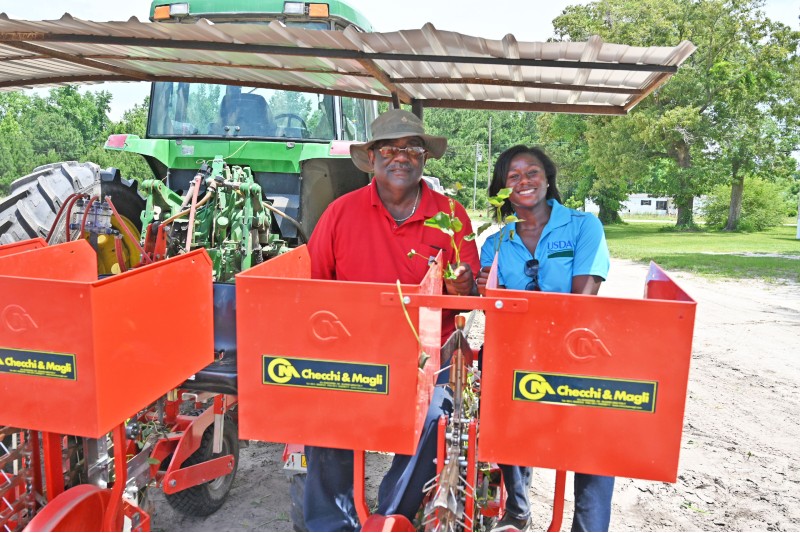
336	369
80	357
592	384
569	382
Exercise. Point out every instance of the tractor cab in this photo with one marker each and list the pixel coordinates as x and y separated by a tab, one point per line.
181	110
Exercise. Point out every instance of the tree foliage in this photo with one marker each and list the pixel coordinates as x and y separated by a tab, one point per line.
65	125
725	114
764	205
728	120
468	143
132	166
563	138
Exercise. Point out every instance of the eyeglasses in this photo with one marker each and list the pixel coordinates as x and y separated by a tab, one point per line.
532	271
412	152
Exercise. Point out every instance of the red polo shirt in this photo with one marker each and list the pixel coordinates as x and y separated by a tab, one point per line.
356	239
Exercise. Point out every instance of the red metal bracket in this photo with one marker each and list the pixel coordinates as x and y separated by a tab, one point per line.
359	489
140	520
441	428
472	474
53	474
558	501
446	301
184	478
155	246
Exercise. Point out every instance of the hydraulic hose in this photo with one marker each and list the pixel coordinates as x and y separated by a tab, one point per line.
201	203
290	219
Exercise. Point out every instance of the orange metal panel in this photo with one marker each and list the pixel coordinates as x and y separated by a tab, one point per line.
22	246
78	356
70	261
80	508
587	383
307	349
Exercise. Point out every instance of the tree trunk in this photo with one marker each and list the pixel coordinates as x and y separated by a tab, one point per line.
798	216
685	199
735	210
685	213
608	215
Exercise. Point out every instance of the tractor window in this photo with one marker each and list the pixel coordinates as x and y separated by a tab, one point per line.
205	110
357	115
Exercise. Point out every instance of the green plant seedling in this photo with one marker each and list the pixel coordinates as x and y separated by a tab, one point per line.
450	225
497	203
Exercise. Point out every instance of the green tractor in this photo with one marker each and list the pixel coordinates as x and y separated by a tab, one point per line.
243	172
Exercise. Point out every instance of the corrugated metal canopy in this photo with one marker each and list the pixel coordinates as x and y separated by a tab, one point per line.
431	67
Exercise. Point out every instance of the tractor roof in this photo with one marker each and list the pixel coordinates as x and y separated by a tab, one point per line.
431	67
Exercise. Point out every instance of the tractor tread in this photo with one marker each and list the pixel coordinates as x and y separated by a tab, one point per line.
33	201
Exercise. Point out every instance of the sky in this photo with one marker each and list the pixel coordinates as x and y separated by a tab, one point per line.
527	20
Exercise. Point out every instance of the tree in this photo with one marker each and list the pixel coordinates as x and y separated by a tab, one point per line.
563	137
87	113
64	125
132	166
763	206
15	153
54	137
750	133
617	162
468	130
684	121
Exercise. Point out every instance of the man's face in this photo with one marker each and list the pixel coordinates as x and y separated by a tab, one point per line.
401	168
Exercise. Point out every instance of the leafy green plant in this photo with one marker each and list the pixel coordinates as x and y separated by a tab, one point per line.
448	224
497	204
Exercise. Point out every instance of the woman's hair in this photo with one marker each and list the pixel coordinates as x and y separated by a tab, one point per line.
503	164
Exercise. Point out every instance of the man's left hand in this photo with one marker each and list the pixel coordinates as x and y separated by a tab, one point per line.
464	282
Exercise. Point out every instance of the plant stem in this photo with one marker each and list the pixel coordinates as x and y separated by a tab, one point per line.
408	317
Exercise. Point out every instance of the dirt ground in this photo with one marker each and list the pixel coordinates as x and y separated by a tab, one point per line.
740	454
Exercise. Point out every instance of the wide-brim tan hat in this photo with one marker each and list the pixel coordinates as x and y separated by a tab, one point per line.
396	124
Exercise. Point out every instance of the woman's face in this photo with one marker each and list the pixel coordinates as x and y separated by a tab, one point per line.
527	180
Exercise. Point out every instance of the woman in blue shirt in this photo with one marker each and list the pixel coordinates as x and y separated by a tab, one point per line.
555	249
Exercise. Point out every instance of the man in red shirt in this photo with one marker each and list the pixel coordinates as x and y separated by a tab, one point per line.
366	236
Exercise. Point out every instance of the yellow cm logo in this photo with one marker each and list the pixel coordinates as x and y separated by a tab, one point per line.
281	371
534	387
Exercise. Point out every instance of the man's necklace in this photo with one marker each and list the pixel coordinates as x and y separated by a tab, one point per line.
413	210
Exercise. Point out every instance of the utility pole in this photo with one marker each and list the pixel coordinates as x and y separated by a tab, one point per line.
478	157
489	156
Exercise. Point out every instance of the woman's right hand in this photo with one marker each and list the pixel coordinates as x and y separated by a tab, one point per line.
483	277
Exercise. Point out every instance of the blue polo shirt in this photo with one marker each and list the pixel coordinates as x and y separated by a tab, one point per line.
573	243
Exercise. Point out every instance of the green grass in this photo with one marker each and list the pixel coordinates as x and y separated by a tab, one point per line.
772	255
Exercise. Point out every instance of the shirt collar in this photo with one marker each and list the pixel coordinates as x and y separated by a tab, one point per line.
559	216
427	206
375	200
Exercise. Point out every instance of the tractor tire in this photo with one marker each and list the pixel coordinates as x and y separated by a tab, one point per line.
31	207
124	194
297	489
205	499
